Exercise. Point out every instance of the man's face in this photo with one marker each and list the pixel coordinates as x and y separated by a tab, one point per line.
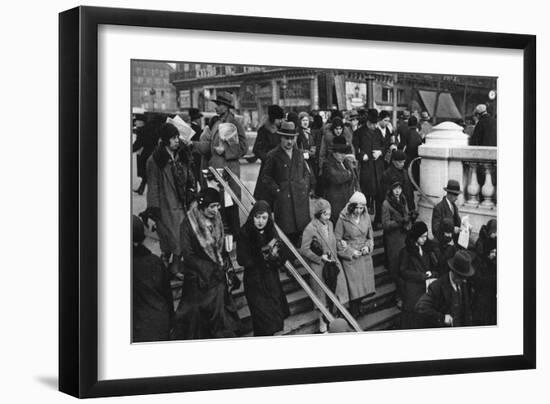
221	109
211	210
174	143
452	197
287	142
399	164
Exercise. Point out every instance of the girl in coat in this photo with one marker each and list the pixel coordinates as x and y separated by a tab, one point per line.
206	309
396	223
417	263
260	252
355	240
320	232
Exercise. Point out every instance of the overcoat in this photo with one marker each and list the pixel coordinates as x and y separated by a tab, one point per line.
327	139
359	271
206	309
328	242
288	183
267	139
170	194
392	175
440	212
146	141
262	284
152	303
485	132
339	184
366	141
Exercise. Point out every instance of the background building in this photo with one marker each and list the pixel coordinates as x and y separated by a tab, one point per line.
151	87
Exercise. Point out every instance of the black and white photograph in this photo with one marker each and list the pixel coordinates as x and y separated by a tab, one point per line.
281	201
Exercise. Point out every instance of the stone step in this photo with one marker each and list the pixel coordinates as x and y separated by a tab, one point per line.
380	320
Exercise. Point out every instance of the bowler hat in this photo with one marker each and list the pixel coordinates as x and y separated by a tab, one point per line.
225	98
453	187
194	113
287	129
275	112
461	264
398	155
372	115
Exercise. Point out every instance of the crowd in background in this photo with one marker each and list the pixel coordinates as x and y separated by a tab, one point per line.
328	185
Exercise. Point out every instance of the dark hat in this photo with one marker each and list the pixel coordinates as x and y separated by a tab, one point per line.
353	114
139	117
413	121
418	229
287	129
194	113
383	114
453	187
138	230
339	145
275	112
396	184
292	117
447	225
166	132
398	155
319	205
372	115
461	264
259	207
224	97
208	196
337	123
424	116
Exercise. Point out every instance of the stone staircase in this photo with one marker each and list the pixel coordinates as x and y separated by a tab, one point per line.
378	312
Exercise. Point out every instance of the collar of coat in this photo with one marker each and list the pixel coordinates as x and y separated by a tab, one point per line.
280	153
363	219
318	226
210	241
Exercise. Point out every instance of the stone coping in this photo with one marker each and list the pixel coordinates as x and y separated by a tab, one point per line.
466	153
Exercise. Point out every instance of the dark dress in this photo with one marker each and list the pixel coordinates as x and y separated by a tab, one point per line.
152	303
262	285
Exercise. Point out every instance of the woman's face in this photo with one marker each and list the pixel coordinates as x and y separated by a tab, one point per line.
211	210
325	216
359	209
422	239
304	122
397	191
260	220
384	122
338	130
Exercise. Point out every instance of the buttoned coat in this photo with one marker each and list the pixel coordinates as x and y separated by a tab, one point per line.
440	212
287	182
314	229
365	141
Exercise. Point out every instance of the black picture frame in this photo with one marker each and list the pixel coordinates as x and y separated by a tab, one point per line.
78	196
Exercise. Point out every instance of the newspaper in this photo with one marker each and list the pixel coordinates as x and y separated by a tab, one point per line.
186	132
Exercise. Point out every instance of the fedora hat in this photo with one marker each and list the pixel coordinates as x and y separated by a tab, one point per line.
453	187
461	264
224	97
287	129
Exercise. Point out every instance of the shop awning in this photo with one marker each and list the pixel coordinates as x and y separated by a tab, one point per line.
446	107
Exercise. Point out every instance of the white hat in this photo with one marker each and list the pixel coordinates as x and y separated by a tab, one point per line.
358	197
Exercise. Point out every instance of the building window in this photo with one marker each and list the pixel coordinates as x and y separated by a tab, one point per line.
387	94
400	96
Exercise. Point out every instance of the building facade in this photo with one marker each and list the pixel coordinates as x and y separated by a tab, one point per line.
151	87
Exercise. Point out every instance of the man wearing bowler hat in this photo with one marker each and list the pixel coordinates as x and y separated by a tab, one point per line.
447	209
286	178
225	153
449	300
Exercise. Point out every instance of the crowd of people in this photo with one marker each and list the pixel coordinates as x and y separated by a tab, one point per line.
328	185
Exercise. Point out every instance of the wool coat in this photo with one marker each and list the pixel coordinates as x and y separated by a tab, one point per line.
328	241
339	184
365	141
169	194
262	285
442	211
485	132
152	303
359	271
206	308
288	183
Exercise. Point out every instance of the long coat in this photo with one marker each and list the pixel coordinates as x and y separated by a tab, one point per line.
210	138
267	139
206	309
365	141
485	132
146	141
395	224
262	284
442	211
328	242
164	193
392	175
327	139
288	183
339	184
359	271
152	304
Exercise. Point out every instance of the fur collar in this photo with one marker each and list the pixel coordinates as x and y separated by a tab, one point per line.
210	241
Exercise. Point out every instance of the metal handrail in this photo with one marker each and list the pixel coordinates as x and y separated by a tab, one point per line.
287	264
291	247
413	182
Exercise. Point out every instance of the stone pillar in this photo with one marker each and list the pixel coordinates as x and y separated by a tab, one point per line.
314	93
274	91
370	91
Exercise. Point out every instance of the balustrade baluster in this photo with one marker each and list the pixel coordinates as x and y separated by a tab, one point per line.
488	190
473	186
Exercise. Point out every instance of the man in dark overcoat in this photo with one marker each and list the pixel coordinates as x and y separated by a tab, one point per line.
286	177
447	209
267	139
396	173
485	131
369	145
449	300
